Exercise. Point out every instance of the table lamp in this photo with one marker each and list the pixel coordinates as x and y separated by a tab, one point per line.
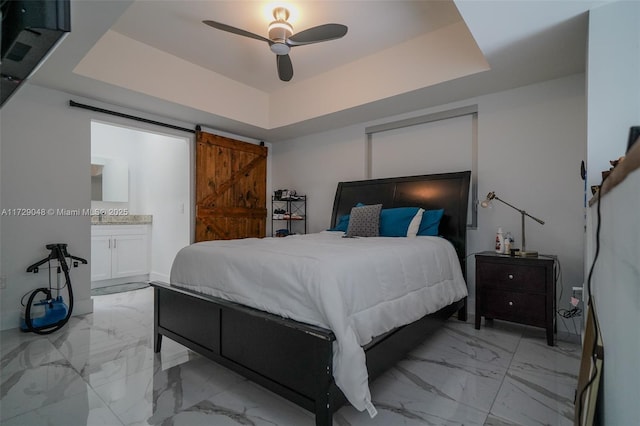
523	251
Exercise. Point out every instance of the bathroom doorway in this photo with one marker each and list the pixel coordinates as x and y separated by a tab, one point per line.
155	170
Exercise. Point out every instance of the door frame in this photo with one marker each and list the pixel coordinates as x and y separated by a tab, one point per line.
189	140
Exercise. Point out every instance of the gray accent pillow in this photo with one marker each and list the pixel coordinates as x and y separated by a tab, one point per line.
364	221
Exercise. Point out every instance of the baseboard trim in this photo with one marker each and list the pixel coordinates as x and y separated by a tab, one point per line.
156	276
117	281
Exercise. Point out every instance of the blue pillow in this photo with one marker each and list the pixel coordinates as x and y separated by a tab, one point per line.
342	225
395	222
343	222
430	222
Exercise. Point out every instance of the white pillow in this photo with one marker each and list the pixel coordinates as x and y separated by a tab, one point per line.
414	225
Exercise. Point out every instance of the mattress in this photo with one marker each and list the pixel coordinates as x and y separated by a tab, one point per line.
357	287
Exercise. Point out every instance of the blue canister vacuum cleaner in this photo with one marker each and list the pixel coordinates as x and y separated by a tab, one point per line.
52	312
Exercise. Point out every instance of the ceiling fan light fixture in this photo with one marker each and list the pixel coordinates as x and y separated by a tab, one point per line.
281	37
280	13
280	48
280	31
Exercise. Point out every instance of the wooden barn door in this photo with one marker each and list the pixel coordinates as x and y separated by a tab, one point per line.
231	179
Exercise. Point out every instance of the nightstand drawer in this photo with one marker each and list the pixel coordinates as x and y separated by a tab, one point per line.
514	306
515	277
516	289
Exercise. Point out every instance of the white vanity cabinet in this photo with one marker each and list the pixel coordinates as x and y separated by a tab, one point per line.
119	251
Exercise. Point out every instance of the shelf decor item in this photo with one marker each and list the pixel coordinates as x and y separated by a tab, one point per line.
523	251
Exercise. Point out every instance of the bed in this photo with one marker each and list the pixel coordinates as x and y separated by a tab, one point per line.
296	358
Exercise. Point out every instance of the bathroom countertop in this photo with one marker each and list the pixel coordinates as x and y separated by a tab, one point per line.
132	219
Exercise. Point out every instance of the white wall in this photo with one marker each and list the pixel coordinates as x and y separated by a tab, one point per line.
167	198
159	179
530	144
46	152
314	164
118	143
614	105
616	295
45	163
45	157
613	82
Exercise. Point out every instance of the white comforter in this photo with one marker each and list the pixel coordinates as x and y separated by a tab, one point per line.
357	287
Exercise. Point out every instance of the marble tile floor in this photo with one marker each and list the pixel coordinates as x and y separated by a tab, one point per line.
101	370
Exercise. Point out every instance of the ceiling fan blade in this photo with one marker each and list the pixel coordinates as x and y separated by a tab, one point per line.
317	34
285	68
234	30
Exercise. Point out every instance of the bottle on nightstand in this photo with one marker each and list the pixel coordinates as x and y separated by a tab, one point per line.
508	242
499	241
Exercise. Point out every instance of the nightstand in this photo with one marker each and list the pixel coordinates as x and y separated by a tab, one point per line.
517	289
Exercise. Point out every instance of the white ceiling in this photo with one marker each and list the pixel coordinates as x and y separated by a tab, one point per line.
250	61
398	56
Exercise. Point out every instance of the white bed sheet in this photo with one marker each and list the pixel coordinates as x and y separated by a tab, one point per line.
357	287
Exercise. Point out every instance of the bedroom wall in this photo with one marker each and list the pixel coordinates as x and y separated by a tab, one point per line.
613	83
614	105
46	150
530	143
45	163
616	291
45	147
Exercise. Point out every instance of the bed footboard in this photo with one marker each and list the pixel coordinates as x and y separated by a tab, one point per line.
292	359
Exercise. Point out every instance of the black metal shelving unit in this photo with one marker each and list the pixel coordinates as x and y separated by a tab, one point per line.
289	214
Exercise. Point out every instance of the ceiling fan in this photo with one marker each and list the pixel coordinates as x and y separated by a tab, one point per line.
281	38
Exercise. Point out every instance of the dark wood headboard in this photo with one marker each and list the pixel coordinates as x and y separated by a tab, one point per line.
448	191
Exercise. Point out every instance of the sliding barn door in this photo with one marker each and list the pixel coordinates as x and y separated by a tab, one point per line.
231	179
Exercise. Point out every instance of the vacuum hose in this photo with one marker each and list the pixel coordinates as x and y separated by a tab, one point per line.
48	329
59	252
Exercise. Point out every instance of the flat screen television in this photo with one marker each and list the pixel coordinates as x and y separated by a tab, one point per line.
30	29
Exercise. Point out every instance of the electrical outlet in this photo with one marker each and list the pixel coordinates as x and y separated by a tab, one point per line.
576	292
3	282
